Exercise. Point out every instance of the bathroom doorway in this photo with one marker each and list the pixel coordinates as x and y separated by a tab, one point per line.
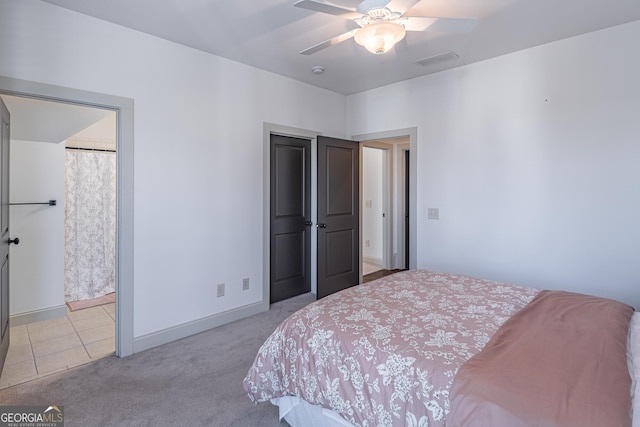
47	335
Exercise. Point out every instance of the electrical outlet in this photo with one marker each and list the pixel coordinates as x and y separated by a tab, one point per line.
367	243
220	291
433	213
245	284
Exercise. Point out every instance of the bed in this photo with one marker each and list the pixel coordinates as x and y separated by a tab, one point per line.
420	348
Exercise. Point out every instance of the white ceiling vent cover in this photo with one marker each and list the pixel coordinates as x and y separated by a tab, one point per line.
437	58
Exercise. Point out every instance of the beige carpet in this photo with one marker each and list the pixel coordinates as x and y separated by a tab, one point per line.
93	302
196	381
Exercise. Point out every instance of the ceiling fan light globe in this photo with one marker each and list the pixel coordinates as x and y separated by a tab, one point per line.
379	37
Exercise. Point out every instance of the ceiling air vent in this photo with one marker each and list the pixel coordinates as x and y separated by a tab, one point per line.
437	58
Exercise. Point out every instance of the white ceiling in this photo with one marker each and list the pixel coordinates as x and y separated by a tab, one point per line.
268	34
45	121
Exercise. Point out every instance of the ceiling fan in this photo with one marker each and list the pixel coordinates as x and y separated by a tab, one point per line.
381	23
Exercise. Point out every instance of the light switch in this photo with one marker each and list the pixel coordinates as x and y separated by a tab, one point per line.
433	213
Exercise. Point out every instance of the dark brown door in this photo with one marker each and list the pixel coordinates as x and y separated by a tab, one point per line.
290	256
4	235
338	215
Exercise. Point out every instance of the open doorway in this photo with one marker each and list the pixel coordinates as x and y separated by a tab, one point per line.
48	176
385	206
124	109
125	160
375	184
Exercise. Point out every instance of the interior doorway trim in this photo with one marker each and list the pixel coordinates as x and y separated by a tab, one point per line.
412	134
124	193
267	130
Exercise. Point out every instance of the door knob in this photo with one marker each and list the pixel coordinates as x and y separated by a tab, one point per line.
321	225
14	241
308	223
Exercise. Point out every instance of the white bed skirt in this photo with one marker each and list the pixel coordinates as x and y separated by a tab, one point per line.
298	413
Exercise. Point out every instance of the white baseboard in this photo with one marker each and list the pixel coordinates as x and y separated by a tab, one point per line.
38	315
174	333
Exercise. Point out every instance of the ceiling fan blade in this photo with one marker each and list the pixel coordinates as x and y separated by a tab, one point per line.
327	43
346	3
317	6
401	6
445	25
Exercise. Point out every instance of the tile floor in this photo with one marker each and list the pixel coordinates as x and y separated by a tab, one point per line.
43	348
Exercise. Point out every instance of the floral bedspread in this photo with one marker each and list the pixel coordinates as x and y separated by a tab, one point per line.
384	353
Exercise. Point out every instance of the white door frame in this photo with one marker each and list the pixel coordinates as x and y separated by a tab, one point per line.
124	190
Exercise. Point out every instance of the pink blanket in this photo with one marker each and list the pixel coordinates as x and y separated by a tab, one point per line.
561	361
384	353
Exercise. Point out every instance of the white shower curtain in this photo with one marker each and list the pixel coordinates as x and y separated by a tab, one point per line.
90	224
